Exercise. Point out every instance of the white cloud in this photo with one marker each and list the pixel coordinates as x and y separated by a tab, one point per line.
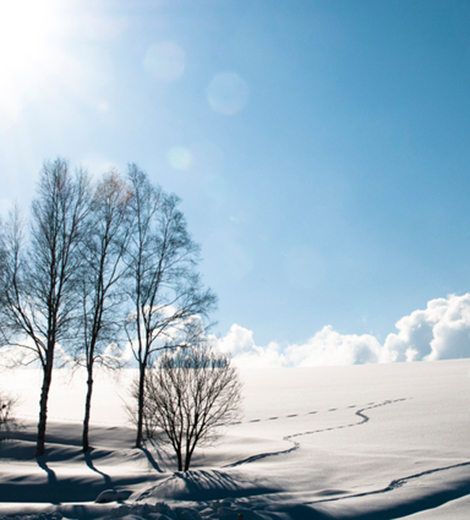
329	347
240	344
441	331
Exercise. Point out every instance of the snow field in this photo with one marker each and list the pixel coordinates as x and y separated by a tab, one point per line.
372	441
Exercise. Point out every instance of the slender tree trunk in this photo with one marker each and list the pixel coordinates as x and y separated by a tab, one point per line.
180	460
86	420
189	454
187	458
140	406
46	384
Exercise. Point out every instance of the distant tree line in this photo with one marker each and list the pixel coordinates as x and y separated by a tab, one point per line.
99	264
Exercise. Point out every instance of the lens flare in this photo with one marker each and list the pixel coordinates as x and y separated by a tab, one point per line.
180	158
228	93
165	61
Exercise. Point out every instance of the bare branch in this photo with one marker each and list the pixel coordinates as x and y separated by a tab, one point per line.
38	299
163	287
190	395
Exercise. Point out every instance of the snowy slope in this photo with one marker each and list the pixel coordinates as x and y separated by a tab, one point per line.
370	441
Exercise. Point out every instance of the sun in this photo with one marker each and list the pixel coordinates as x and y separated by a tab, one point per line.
28	48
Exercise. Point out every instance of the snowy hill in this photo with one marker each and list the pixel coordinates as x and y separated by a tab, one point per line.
368	442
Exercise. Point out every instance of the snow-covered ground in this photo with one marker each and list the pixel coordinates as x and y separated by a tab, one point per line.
362	442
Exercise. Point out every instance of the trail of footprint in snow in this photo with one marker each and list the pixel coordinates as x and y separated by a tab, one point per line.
289	438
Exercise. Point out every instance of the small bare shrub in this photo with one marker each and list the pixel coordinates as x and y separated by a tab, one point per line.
8	423
191	394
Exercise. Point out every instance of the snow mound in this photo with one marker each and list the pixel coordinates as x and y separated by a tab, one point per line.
112	495
205	485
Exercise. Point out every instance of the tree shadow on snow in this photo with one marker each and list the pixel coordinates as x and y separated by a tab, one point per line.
207	485
51	476
151	460
158	456
89	463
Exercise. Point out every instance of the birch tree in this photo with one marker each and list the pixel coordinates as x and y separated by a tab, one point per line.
163	286
100	292
39	303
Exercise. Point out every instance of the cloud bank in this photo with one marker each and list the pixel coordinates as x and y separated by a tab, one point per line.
441	331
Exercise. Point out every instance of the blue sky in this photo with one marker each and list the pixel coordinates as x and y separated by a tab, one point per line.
321	148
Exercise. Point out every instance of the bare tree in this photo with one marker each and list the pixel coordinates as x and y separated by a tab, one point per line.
8	422
39	294
192	393
102	248
163	286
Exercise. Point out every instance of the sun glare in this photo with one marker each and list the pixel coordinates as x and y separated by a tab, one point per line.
27	32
